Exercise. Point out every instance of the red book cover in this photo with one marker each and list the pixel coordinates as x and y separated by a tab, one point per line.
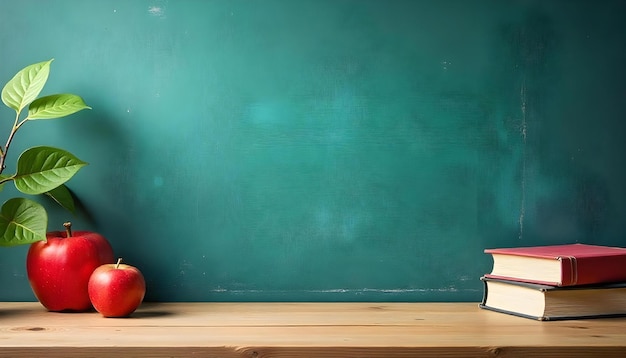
580	264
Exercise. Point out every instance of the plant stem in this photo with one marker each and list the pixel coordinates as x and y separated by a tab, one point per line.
3	154
68	228
119	261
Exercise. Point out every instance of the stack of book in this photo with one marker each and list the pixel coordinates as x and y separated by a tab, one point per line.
575	281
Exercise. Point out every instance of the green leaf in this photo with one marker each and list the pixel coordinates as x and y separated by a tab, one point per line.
63	197
22	221
56	106
41	169
26	85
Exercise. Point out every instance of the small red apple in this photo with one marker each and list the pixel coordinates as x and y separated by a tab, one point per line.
116	290
59	268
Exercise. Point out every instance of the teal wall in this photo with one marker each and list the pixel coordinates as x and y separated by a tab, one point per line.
328	149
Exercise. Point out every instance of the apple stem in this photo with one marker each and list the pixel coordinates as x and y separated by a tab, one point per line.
68	228
119	261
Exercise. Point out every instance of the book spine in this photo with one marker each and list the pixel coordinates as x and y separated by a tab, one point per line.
485	290
591	270
569	271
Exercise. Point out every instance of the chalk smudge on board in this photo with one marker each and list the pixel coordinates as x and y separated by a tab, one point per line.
156	11
359	291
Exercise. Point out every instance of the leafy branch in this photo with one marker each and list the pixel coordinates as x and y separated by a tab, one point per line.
42	169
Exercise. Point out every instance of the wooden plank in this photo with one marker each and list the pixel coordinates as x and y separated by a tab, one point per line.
256	330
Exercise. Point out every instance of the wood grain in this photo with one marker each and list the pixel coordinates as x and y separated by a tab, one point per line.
256	330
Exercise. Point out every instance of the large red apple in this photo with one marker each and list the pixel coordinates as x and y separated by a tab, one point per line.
59	269
116	290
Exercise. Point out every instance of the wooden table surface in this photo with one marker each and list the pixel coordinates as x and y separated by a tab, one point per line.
255	330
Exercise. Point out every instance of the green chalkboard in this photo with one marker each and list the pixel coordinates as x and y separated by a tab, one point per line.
328	149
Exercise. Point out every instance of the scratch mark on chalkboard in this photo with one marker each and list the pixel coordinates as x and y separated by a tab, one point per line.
341	290
523	132
523	103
